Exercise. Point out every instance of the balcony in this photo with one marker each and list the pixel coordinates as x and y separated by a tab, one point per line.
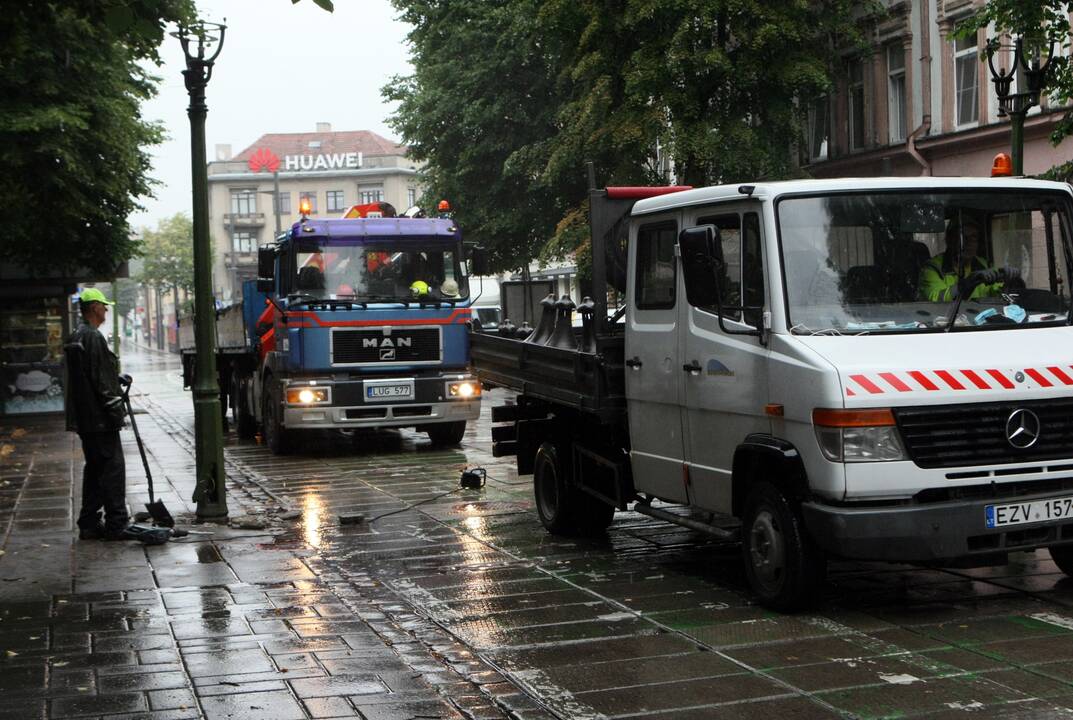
243	220
235	260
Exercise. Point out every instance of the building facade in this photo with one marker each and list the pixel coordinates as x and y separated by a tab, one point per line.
332	170
922	103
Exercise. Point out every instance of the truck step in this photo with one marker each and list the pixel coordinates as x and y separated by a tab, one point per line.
512	413
505	448
501	433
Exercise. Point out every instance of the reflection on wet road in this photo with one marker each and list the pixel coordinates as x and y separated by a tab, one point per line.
655	619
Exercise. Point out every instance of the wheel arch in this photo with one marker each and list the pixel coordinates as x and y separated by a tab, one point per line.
770	457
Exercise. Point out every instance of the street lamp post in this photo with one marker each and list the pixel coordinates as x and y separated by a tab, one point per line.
198	41
1017	104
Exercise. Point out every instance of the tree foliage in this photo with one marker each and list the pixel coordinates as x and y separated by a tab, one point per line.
72	141
168	254
510	98
1042	24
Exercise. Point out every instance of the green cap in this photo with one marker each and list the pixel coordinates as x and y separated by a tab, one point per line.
90	295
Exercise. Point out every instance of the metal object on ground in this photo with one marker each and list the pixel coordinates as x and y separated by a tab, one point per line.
351	518
473	478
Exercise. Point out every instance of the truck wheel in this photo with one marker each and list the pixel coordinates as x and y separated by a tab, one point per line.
245	422
552	490
1063	558
446	434
593	515
784	566
276	437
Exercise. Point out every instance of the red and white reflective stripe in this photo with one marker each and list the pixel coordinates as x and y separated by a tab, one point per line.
908	381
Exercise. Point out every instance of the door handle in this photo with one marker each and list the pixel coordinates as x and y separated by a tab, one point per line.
634	362
693	367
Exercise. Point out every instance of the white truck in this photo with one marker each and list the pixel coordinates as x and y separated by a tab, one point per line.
823	368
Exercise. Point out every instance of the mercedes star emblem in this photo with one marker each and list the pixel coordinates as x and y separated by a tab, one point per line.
1022	428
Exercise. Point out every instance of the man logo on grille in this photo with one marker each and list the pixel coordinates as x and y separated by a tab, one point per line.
1022	428
387	353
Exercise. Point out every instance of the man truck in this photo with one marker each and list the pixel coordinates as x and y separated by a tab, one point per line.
354	322
781	377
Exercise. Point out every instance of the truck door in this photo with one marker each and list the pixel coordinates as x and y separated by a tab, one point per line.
653	366
725	389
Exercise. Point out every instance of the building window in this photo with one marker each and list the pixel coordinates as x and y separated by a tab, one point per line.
896	92
335	200
284	201
817	129
244	241
243	202
966	90
856	105
311	197
411	197
371	195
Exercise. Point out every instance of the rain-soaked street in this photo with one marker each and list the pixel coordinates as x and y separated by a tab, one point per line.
446	602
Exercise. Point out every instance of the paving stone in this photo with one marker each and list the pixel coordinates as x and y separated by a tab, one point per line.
227	662
329	707
98	705
177	698
338	685
278	705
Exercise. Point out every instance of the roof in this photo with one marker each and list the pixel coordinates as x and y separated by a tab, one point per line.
364	141
771	190
365	228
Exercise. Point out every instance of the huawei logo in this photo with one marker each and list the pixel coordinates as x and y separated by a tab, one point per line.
264	159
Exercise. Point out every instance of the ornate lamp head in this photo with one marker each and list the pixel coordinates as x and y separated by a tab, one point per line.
207	38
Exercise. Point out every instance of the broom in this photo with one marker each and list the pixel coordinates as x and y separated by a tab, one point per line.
156	508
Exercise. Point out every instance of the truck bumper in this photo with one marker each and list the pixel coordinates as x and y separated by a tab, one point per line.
349	409
947	532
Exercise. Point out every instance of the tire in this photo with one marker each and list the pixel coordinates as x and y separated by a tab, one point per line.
245	422
446	434
553	492
276	437
785	568
1063	557
593	515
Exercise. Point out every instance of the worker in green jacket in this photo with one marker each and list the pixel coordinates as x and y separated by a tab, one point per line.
943	278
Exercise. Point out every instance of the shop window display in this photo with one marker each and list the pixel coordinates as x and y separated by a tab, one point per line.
31	356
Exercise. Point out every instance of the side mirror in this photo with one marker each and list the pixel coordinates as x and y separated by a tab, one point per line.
701	265
265	285
478	261
266	263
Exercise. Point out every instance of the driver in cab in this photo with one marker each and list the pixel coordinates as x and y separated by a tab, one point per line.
961	271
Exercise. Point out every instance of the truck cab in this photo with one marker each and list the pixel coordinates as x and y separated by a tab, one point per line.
875	369
368	329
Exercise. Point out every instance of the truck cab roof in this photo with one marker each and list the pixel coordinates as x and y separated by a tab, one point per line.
365	228
771	190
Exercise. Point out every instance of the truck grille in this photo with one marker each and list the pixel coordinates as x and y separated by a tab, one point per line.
352	347
975	434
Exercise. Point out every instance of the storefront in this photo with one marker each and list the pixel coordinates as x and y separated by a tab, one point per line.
36	315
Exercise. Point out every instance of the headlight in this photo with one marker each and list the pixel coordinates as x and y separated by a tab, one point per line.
858	435
464	390
307	396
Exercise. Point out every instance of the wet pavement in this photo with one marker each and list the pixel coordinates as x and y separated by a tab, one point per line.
444	602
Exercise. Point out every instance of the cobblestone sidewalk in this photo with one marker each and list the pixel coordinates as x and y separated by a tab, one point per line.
232	623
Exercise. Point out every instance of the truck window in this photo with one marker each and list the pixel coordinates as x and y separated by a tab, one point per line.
897	261
657	273
729	227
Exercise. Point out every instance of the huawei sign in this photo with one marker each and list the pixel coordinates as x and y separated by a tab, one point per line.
264	159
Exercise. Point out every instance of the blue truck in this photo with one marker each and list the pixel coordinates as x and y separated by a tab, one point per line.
355	322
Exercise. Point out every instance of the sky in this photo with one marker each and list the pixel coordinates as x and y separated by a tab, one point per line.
283	68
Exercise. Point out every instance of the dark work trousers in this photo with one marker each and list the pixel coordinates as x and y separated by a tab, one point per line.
104	482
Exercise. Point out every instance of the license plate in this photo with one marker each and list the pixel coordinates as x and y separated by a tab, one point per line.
1028	512
389	390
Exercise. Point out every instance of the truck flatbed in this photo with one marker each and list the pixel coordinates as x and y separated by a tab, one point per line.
593	383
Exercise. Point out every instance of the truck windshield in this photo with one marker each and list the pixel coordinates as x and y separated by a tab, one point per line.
863	263
378	272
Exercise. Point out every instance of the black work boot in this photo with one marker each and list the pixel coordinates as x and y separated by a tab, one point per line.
92	533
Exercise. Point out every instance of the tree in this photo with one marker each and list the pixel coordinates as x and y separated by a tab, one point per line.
1040	23
716	85
168	255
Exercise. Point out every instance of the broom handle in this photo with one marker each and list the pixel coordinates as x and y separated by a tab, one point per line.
138	437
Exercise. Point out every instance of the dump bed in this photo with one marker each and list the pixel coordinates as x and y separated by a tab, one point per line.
593	383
